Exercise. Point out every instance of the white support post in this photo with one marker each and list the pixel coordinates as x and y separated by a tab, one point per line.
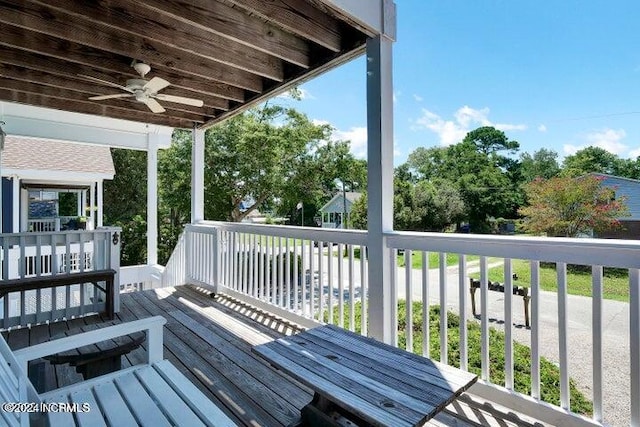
380	185
100	202
152	201
83	203
92	204
197	176
16	205
24	210
79	204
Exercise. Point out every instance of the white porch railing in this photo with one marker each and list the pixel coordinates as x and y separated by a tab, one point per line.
257	263
30	254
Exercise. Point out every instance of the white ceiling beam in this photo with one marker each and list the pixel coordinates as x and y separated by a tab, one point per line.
38	122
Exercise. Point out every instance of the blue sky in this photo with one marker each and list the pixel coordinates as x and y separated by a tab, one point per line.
555	74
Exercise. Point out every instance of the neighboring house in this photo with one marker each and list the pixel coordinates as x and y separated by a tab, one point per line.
333	211
35	171
630	189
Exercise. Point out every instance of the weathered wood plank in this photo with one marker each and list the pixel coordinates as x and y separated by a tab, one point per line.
189	350
280	410
229	22
91	108
40	334
92	56
174	37
298	17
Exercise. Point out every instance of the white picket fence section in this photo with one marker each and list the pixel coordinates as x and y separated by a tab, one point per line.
258	263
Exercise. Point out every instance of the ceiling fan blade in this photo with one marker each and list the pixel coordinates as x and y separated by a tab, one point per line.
105	82
180	100
154	105
114	96
155	84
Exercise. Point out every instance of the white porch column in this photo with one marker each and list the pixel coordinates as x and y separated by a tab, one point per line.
152	201
24	209
92	204
197	176
79	204
16	204
100	200
83	203
380	186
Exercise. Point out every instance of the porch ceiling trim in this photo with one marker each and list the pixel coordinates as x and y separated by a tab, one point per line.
56	176
38	122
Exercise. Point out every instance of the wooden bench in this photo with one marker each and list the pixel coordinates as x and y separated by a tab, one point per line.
151	394
64	279
360	381
498	287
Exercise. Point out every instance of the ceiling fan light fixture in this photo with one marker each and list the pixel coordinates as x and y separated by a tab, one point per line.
142	68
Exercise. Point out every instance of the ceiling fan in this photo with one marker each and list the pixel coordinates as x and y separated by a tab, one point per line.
145	91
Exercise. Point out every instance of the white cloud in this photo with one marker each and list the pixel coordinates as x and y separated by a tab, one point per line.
466	118
417	97
634	153
542	128
358	137
608	139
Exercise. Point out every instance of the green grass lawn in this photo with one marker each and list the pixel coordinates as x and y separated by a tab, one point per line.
434	259
549	373
615	285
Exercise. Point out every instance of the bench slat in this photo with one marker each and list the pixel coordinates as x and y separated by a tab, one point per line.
143	407
167	399
198	402
92	418
114	408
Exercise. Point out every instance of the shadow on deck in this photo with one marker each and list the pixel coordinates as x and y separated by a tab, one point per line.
209	339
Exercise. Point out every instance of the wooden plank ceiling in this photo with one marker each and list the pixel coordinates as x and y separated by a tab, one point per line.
227	53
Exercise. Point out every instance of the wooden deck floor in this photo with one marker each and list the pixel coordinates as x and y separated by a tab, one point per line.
209	340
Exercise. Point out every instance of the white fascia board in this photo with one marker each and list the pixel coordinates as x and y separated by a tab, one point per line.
55	177
38	122
375	17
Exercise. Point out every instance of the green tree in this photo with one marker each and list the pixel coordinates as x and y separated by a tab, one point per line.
254	157
565	206
125	203
591	159
482	170
542	164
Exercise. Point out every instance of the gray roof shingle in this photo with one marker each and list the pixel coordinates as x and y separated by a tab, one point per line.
47	154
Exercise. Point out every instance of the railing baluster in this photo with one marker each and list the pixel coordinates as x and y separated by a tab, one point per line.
296	273
312	293
462	296
634	341
288	274
596	325
251	255
330	281
408	300
363	290
352	314
535	329
425	305
508	323
340	286
394	296
320	281
484	323
269	269
234	261
442	267
561	269
280	273
303	293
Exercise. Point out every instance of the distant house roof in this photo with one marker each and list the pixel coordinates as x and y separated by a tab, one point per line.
23	153
335	204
